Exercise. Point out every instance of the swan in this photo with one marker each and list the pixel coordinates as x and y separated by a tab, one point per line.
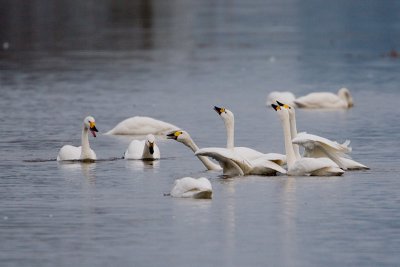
141	126
184	138
317	146
285	97
143	149
303	166
83	152
189	187
342	99
248	153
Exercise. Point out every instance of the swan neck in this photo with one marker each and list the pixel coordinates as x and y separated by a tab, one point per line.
192	145
85	153
290	156
230	134
146	151
206	161
293	132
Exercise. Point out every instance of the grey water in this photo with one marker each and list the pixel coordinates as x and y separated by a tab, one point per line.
174	60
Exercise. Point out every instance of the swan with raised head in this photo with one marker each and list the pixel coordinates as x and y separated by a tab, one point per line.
317	146
189	187
83	152
143	149
285	97
246	152
341	100
184	138
303	166
141	126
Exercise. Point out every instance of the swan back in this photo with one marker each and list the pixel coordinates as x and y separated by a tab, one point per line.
141	126
189	187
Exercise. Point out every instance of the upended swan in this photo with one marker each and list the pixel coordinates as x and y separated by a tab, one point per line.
141	126
342	99
189	187
236	161
317	146
143	149
303	166
83	152
184	138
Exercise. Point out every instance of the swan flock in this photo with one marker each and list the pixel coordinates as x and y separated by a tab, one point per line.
321	156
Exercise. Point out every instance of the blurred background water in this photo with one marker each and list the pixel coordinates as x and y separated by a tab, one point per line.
174	60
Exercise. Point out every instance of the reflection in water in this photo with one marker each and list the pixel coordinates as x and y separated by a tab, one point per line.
87	169
140	165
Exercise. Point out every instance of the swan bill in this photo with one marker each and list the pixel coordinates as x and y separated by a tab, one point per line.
219	110
276	107
93	129
151	148
283	105
174	135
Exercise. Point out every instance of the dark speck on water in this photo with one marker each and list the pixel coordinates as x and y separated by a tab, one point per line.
61	61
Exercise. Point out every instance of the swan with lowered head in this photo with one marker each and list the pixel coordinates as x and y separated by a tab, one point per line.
184	138
317	146
83	152
342	99
141	126
143	149
189	187
303	166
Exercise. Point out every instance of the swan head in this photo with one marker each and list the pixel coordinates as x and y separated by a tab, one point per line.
225	114
90	123
179	135
290	109
283	113
150	141
344	94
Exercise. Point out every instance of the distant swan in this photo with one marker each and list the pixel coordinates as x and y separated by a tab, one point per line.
141	126
143	149
342	99
189	187
184	138
83	152
317	146
284	97
303	166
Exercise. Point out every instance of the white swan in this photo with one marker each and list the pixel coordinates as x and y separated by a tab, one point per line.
246	152
143	149
141	126
284	97
317	146
342	99
303	166
184	138
83	152
189	187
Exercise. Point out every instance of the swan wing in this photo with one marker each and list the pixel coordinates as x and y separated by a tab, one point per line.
231	162
263	166
320	100
69	152
351	164
191	187
135	150
309	140
252	154
141	126
305	166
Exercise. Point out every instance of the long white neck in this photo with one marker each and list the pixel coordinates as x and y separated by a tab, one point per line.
86	151
290	155
230	134
206	161
293	132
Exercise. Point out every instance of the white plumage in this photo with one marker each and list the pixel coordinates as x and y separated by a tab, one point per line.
340	100
141	126
189	187
143	149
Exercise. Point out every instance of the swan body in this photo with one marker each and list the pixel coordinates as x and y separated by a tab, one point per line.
298	166
284	97
184	138
233	164
143	149
83	152
248	153
318	147
189	187
341	100
141	126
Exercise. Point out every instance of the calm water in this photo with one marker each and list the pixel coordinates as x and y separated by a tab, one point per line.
65	60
